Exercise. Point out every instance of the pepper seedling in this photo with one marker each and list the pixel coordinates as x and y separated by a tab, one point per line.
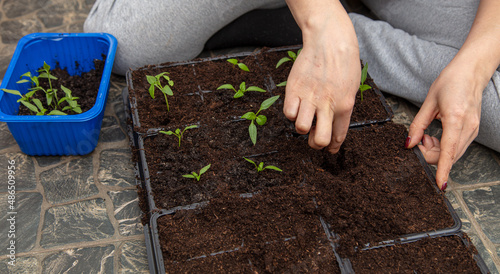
195	175
260	119
240	65
178	132
363	86
154	82
292	57
260	167
241	91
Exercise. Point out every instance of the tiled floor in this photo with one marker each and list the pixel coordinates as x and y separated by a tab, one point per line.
81	214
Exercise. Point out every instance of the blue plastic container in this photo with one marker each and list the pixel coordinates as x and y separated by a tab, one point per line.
57	134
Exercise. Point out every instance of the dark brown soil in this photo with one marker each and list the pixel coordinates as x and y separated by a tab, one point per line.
84	86
436	255
374	189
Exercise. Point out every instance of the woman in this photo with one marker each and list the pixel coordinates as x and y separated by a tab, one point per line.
440	55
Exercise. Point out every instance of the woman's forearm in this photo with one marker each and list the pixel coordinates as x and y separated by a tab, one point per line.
314	17
481	50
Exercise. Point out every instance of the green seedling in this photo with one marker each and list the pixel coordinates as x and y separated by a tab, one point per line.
240	65
178	132
260	119
363	86
282	84
260	167
154	82
72	103
241	91
195	175
292	57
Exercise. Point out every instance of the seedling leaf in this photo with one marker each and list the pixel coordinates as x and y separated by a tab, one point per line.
249	116
233	61
38	103
282	60
56	112
166	89
364	73
261	120
269	102
254	88
282	84
364	87
243	67
273	168
12	91
204	169
252	130
226	86
30	106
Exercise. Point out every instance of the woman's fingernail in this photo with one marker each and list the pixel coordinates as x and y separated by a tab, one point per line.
407	143
443	188
423	141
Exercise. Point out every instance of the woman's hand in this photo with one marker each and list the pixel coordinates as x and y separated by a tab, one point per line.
455	99
326	74
455	96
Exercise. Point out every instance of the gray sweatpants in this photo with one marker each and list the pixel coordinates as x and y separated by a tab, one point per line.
406	51
154	32
412	43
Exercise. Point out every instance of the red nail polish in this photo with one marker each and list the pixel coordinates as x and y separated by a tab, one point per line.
407	143
443	188
423	141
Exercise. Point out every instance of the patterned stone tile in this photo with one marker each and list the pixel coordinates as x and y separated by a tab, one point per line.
134	258
70	181
44	161
477	165
120	113
17	8
108	121
78	222
52	16
12	31
22	225
81	260
112	134
22	265
484	204
116	168
127	211
483	253
23	167
5	135
467	228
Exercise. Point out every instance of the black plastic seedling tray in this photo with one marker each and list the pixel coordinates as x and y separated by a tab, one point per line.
270	86
155	253
154	212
